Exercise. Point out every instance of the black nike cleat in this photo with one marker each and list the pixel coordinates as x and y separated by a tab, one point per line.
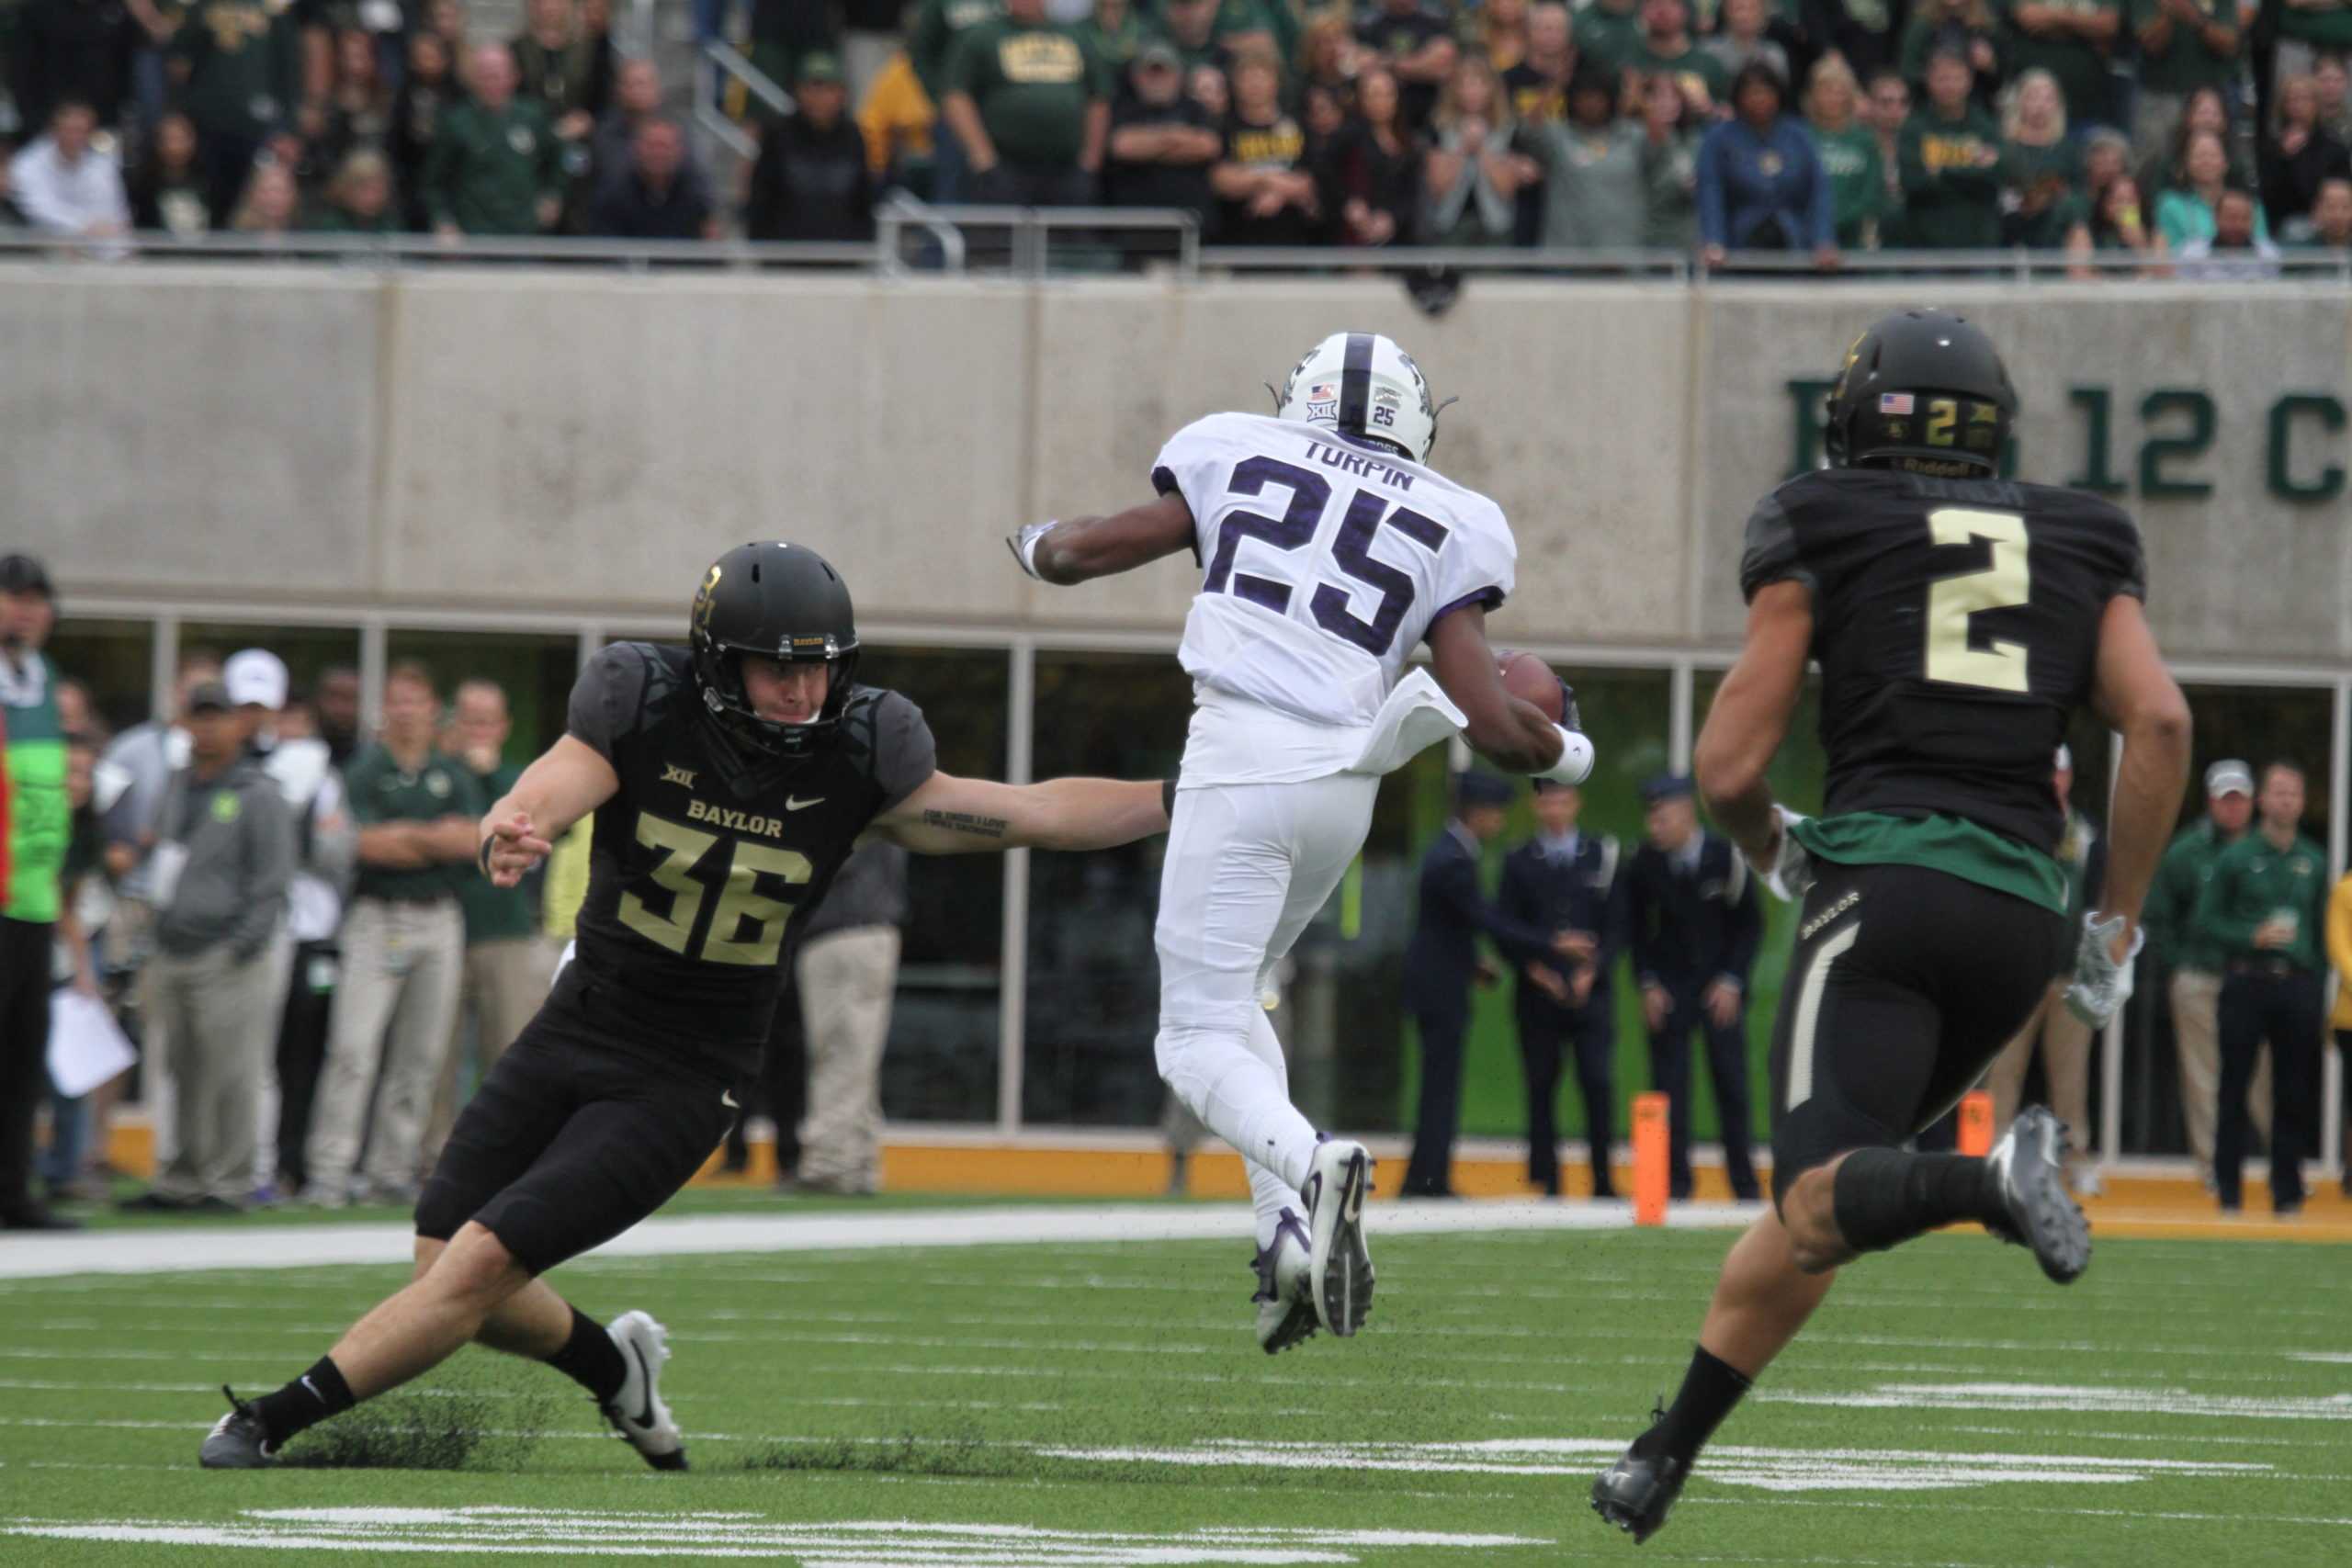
2030	1162
637	1412
1636	1492
238	1441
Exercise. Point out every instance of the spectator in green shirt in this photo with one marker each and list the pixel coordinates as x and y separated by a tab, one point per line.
2184	45
2186	212
234	70
506	969
931	40
2043	167
2072	39
2265	909
1608	33
1965	25
496	166
1848	151
1666	46
404	945
2176	941
1031	106
2310	31
1951	165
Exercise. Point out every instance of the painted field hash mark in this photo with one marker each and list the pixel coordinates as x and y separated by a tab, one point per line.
1732	1464
2077	1398
895	1543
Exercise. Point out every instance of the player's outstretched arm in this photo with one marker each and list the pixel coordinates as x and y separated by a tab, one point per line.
2139	699
949	815
1512	734
569	780
1750	718
1076	550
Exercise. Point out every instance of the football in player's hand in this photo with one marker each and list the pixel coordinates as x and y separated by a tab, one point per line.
1531	680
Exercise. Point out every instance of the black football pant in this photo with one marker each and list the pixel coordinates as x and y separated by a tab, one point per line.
1545	1034
1429	1173
2283	1009
302	1031
24	1053
1726	1065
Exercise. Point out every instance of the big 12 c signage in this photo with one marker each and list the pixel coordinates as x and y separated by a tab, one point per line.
2303	436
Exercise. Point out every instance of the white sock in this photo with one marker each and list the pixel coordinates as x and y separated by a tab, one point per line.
1235	1082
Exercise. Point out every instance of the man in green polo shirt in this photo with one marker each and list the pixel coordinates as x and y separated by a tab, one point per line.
2175	939
37	821
404	945
1032	107
1609	32
2074	41
1667	48
2265	909
505	973
496	166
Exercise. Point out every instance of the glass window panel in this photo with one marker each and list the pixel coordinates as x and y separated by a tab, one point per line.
535	670
944	1039
113	661
1093	980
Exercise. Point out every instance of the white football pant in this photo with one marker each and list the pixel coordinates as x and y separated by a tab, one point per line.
1248	867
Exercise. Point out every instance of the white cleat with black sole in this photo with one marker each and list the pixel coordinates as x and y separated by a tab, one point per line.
2030	1162
637	1412
1339	1264
1285	1301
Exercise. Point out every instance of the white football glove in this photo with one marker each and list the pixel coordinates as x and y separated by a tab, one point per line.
1023	545
2101	985
1792	875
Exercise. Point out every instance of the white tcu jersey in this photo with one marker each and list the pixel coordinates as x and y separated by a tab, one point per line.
1323	565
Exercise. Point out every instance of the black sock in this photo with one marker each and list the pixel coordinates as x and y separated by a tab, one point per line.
304	1402
1709	1388
591	1359
1883	1197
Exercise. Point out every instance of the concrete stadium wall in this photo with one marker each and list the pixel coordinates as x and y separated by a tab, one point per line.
563	442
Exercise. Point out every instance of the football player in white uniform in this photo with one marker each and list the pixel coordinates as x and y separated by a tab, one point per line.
1328	549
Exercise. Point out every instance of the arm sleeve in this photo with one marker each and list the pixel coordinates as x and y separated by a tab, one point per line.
269	844
1455	882
1480	562
1638	940
1518	899
905	756
1711	189
1820	223
927	49
2126	567
2218	915
606	697
1615	924
1770	554
1747	915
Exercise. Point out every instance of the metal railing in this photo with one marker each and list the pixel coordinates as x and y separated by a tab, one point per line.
725	62
914	237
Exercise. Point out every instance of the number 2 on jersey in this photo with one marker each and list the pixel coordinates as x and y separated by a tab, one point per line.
1954	602
725	942
1310	494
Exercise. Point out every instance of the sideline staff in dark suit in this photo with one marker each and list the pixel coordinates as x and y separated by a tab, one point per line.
1567	881
1442	962
1695	924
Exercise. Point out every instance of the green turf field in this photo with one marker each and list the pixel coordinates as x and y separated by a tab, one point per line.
2187	1402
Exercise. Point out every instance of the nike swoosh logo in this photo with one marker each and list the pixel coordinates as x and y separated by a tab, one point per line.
797	803
1352	1194
313	1388
644	1418
727	1099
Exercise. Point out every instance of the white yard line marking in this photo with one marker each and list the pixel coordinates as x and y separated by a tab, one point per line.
2074	1399
201	1247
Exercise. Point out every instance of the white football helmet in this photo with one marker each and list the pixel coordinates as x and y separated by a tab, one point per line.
1362	384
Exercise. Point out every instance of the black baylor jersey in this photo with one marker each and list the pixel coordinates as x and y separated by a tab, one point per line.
690	884
1956	623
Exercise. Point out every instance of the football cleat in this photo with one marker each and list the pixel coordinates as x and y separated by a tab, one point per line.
637	1412
238	1441
1636	1492
1286	1305
2030	1162
1339	1264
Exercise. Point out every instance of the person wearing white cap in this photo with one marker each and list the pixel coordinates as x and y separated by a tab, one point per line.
2175	938
2065	1038
326	849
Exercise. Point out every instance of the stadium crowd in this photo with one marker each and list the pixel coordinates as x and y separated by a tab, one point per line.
2188	132
282	910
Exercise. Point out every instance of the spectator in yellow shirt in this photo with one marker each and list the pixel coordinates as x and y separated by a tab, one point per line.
897	118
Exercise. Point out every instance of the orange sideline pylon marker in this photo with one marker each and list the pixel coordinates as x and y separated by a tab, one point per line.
1976	1123
1649	1159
